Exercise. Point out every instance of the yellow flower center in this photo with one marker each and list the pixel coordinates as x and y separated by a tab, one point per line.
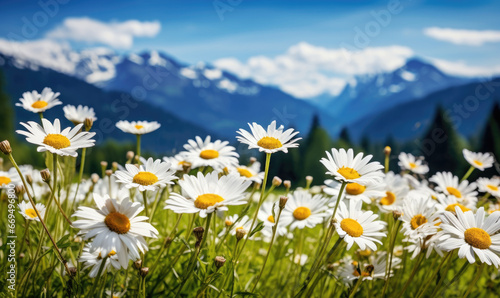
365	253
117	222
451	207
39	104
417	221
206	200
363	273
492	187
271	218
145	178
301	213
269	143
227	222
348	173
494	210
209	154
244	172
57	141
477	162
112	253
30	212
355	189
477	238
389	198
454	192
137	126
351	227
184	163
4	180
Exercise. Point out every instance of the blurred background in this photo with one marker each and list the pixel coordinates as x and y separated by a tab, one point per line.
419	76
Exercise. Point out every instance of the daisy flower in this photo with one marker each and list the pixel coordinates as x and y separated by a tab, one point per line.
78	114
374	268
419	219
429	243
346	167
493	208
94	258
266	216
50	137
39	103
270	141
356	226
178	162
408	162
26	210
304	210
204	153
205	194
355	190
479	161
138	127
115	226
448	203
152	175
396	190
449	184
491	186
473	234
8	177
251	172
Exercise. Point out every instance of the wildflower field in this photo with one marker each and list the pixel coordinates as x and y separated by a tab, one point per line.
205	223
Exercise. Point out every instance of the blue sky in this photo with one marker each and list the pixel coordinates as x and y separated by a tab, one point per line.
193	31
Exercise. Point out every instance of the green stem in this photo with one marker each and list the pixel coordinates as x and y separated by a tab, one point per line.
413	272
356	286
433	276
80	174
145	199
261	200
275	228
471	169
138	150
96	280
476	278
388	265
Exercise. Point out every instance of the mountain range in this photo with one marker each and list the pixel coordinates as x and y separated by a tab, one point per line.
190	100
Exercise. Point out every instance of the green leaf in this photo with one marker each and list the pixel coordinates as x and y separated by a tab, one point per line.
258	228
243	294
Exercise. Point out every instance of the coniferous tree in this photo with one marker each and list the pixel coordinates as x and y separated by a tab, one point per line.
442	146
317	142
6	113
490	139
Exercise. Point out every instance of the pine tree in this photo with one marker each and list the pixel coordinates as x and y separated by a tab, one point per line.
6	113
318	141
442	146
490	139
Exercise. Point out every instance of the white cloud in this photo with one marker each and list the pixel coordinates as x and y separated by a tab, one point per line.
114	34
460	68
306	71
463	36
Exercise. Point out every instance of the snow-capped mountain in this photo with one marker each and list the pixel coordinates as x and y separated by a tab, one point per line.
370	95
200	94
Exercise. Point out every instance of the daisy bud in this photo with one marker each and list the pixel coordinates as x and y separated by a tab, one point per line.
94	177
309	180
144	271
219	261
330	267
168	240
19	189
287	184
277	181
252	161
109	173
88	122
283	201
29	179
77	239
5	147
21	255
240	233
387	150
104	164
198	233
186	166
369	269
396	214
45	175
138	264
130	155
72	271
